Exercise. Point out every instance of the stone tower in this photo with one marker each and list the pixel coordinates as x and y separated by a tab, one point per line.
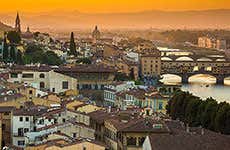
18	24
96	35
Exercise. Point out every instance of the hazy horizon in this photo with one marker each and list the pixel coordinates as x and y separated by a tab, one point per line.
67	20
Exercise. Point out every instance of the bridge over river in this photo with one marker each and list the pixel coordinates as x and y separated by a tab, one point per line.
190	65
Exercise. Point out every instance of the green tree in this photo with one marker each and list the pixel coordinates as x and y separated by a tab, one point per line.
72	46
14	37
31	48
36	54
51	58
209	113
12	54
5	51
222	118
192	112
19	59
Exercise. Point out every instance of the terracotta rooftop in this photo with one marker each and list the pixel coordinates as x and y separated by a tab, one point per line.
30	111
64	69
181	140
141	93
5	98
6	109
136	123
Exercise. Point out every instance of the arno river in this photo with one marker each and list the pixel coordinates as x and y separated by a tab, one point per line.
200	85
203	86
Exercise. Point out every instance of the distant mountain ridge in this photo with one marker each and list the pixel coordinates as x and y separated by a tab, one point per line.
67	20
4	27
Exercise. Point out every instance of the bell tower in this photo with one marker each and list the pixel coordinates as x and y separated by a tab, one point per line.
18	24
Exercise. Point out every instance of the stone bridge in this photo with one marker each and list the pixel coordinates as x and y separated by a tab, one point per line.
195	58
185	69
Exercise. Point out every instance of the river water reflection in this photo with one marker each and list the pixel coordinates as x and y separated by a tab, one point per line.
203	86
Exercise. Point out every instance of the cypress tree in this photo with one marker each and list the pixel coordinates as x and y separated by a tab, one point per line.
72	45
19	58
5	49
12	54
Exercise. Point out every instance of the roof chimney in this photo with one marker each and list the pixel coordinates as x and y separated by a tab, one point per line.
202	131
5	98
109	109
187	128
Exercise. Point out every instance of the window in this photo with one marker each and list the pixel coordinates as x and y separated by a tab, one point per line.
63	120
42	75
53	89
14	75
20	119
41	121
21	143
141	140
65	85
3	126
131	141
27	119
42	85
26	130
160	106
30	92
27	75
6	113
96	87
74	135
20	132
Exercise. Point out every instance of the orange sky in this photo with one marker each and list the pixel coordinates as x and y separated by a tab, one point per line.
102	6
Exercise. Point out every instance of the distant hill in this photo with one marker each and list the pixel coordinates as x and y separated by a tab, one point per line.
3	28
67	20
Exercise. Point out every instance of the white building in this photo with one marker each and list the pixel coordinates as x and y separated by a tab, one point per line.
22	123
111	90
43	78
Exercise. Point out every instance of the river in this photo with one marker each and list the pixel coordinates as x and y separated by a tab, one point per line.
200	85
203	86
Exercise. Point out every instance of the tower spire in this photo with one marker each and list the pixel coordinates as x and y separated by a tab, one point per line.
18	23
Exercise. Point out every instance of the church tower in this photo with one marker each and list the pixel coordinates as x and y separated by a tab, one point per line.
96	35
18	24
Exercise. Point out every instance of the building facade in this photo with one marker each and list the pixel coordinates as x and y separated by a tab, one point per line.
43	78
150	62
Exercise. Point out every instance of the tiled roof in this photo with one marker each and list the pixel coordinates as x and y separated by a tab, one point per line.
5	98
30	111
182	140
64	69
6	109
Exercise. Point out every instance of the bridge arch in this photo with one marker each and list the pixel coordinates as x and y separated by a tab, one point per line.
221	59
171	78
166	59
184	58
227	80
204	59
202	78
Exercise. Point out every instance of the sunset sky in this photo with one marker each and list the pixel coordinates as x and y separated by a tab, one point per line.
104	6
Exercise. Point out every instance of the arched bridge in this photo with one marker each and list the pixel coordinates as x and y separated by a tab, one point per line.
185	69
195	58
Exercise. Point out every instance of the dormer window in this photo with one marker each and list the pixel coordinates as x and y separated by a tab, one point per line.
42	75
